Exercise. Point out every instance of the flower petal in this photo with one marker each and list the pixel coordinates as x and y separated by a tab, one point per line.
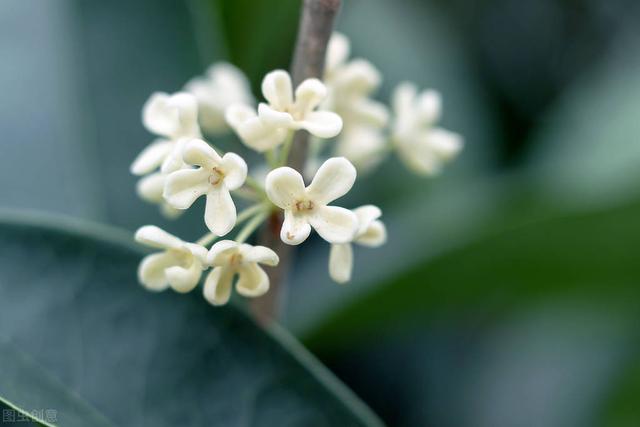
278	90
366	215
199	153
260	254
295	228
173	116
374	236
155	237
151	157
337	51
403	98
284	186
323	124
271	117
341	262
252	131
219	212
151	271
235	170
183	187
309	94
150	187
444	143
428	107
219	253
184	279
252	281
334	224
173	161
217	286
333	180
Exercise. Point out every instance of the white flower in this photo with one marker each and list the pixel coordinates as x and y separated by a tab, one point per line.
283	111
179	265
229	259
364	146
251	130
172	117
150	189
214	177
423	147
350	85
222	86
307	207
371	232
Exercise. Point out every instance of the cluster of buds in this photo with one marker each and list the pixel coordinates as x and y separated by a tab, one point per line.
180	167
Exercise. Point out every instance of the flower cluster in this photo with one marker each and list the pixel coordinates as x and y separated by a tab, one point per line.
180	166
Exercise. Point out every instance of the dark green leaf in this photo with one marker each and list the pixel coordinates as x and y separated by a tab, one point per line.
69	297
592	254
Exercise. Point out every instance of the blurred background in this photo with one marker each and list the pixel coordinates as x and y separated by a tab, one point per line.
508	293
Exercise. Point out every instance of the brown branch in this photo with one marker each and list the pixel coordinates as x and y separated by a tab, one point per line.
314	31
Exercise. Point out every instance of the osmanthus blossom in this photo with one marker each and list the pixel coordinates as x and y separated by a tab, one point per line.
178	266
306	207
213	177
371	232
221	86
283	112
173	118
150	189
350	84
422	146
230	259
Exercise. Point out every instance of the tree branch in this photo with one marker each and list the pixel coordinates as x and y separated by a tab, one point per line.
314	31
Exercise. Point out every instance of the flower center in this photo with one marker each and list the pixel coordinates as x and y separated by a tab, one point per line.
304	205
216	176
235	259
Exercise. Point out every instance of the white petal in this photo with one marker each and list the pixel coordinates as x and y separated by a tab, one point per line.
366	215
429	106
199	153
403	98
151	157
221	251
359	77
151	271
334	224
295	228
219	212
323	124
173	161
444	143
252	281
337	51
169	211
184	279
217	286
278	90
341	262
235	170
374	236
284	187
150	187
253	132
333	180
156	237
364	146
309	94
198	251
273	117
173	116
260	254
183	187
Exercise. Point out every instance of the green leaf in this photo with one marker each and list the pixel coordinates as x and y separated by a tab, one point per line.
37	396
592	255
69	297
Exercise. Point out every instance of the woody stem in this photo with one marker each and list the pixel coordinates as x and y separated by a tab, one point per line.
316	25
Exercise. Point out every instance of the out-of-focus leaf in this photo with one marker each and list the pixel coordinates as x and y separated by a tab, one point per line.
553	362
588	150
69	298
259	35
621	409
29	392
591	253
